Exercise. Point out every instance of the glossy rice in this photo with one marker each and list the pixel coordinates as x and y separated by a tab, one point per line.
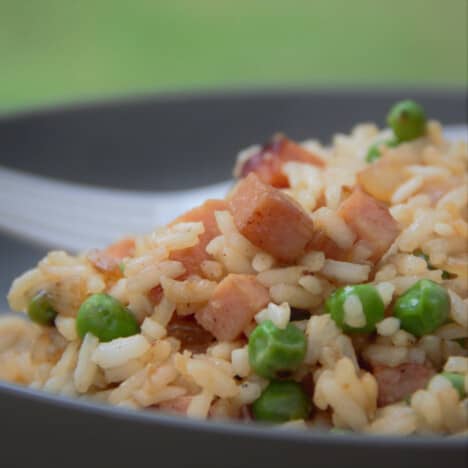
176	363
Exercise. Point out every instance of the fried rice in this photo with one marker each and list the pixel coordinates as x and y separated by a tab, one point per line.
301	221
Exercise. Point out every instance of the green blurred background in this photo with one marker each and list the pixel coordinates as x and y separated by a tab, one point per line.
63	50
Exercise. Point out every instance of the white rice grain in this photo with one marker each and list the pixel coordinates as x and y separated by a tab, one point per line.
140	306
386	273
386	355
248	392
278	314
62	372
119	351
333	195
388	326
162	313
343	405
199	405
321	331
313	260
457	364
334	227
234	261
417	232
152	329
262	262
24	287
151	276
147	395
66	326
188	291
240	361
408	188
452	331
394	420
432	347
119	291
222	349
123	372
215	246
128	386
428	172
409	264
457	197
152	257
403	338
458	309
311	283
288	275
386	290
212	379
179	236
345	272
295	296
438	383
354	312
295	425
212	270
444	229
86	369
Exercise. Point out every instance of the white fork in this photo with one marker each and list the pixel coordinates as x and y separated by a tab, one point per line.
77	217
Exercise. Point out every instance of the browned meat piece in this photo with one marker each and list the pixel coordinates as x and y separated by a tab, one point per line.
191	335
270	219
267	163
371	222
107	260
232	306
397	383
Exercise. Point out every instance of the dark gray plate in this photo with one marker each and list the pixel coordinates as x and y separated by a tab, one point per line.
174	142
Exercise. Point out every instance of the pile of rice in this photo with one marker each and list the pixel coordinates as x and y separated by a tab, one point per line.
155	369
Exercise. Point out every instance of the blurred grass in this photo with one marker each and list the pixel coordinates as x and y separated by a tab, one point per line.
59	50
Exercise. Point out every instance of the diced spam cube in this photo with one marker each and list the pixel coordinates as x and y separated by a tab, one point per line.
270	219
232	306
371	222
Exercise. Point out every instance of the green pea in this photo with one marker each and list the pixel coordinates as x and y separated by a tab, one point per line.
40	309
372	307
407	120
276	352
423	308
374	151
122	267
457	381
281	401
106	318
